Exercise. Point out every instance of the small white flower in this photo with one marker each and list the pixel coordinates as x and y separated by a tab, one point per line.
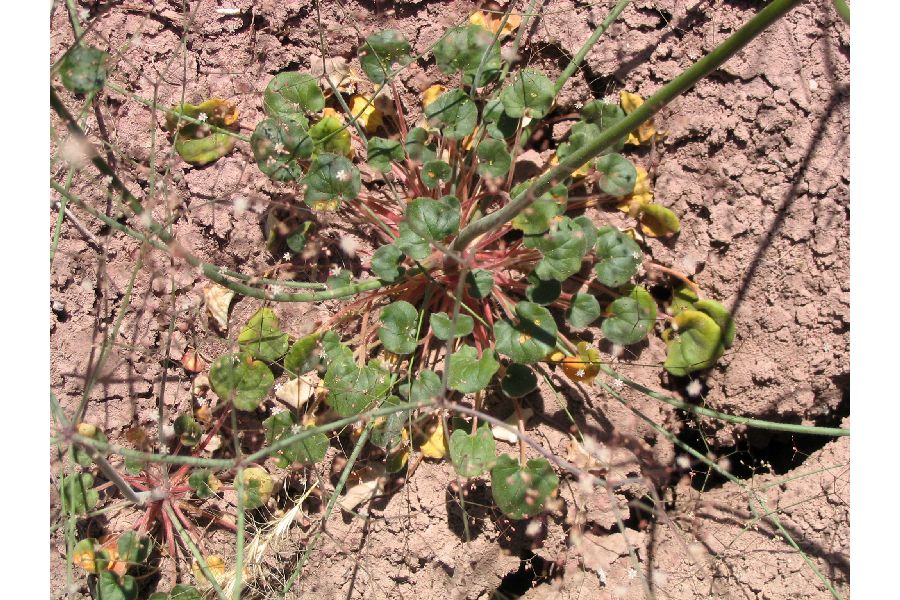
286	256
694	388
277	387
107	181
683	462
279	147
618	384
295	428
632	573
163	450
636	255
277	409
579	373
601	575
342	175
202	117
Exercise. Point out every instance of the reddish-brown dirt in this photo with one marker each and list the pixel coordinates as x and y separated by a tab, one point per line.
755	163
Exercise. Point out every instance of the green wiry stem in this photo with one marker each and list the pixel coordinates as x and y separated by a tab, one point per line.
706	412
579	57
843	10
198	556
670	91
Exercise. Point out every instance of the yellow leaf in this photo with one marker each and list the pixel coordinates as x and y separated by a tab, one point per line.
431	94
584	366
435	445
363	108
640	196
83	556
645	131
556	356
659	221
216	566
492	23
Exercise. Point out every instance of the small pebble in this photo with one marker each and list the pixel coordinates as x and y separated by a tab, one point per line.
58	307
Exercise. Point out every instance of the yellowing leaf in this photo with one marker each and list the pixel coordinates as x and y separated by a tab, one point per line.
216	566
217	299
83	555
364	109
295	392
645	131
640	197
659	221
584	366
435	445
492	23
431	94
579	172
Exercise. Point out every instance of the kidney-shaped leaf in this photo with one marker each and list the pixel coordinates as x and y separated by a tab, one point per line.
262	338
464	49
631	317
454	112
694	343
434	220
398	327
197	143
522	491
518	381
381	51
83	70
434	172
289	95
310	449
531	339
353	389
617	175
278	146
562	249
303	356
239	378
494	158
618	257
529	95
473	454
381	152
584	310
442	325
331	179
470	374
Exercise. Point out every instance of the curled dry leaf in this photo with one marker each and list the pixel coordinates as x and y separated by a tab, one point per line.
200	385
646	130
435	444
580	457
338	72
505	435
358	494
296	392
192	362
217	299
431	94
492	22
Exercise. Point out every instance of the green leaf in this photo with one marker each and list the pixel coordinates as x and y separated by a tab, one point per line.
289	95
468	373
197	143
658	221
331	180
618	257
386	263
454	112
584	310
441	325
721	316
473	454
536	218
434	220
427	386
683	298
479	283
133	548
589	230
303	356
341	280
694	343
381	152
494	158
529	95
411	243
562	249
617	175
330	135
110	588
262	338
333	349
462	49
353	389
498	124
241	379
522	491
434	172
542	292
386	433
531	339
278	145
188	430
83	70
77	492
581	134
296	240
631	317
203	482
308	450
81	456
381	51
519	381
398	331
417	146
604	116
185	592
258	486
